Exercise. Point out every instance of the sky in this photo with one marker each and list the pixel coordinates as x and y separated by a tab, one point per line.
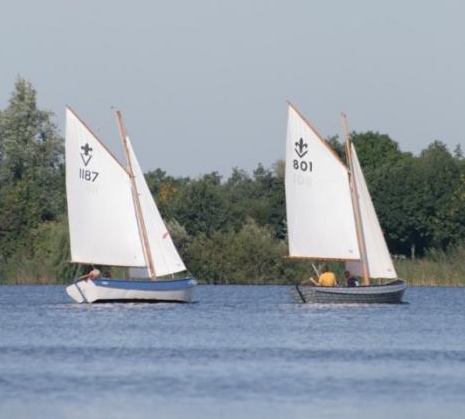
203	85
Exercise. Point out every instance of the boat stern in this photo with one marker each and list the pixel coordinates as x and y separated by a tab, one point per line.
83	291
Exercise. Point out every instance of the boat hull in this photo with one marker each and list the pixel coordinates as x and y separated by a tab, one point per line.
390	293
120	290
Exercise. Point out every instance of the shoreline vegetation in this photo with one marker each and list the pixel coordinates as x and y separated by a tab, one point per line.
233	230
437	269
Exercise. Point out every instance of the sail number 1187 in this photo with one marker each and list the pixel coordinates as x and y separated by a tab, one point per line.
88	175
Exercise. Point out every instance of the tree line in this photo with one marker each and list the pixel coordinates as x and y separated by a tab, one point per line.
227	230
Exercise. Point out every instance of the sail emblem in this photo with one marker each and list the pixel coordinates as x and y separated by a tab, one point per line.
301	148
86	156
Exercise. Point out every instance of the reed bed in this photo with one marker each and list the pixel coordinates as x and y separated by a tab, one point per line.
438	268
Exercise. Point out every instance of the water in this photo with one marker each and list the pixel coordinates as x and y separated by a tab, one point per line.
238	352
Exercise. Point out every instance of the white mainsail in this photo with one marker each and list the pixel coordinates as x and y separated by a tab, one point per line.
165	257
378	259
102	223
102	211
320	216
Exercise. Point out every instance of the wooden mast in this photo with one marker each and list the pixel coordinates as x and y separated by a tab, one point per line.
355	202
135	195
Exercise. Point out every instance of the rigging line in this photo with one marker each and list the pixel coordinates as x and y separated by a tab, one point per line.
300	293
316	270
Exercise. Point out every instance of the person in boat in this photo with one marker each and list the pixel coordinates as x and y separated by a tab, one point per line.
93	274
326	279
351	280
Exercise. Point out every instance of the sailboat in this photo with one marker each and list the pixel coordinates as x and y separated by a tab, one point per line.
114	221
330	217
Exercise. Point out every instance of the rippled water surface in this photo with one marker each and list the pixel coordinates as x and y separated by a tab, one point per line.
237	352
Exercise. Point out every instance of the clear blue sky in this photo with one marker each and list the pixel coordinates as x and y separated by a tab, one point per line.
203	84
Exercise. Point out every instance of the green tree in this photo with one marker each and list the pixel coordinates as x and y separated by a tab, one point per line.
206	257
240	190
396	197
31	170
255	255
252	255
444	191
260	197
165	190
270	208
419	200
201	206
375	149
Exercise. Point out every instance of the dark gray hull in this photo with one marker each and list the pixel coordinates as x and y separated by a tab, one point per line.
390	293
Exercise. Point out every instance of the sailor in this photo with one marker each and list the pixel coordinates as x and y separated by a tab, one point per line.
93	274
351	280
326	279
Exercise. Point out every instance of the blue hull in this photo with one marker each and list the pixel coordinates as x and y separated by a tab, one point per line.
123	290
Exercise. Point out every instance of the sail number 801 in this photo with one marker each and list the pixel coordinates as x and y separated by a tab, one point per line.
88	175
304	166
